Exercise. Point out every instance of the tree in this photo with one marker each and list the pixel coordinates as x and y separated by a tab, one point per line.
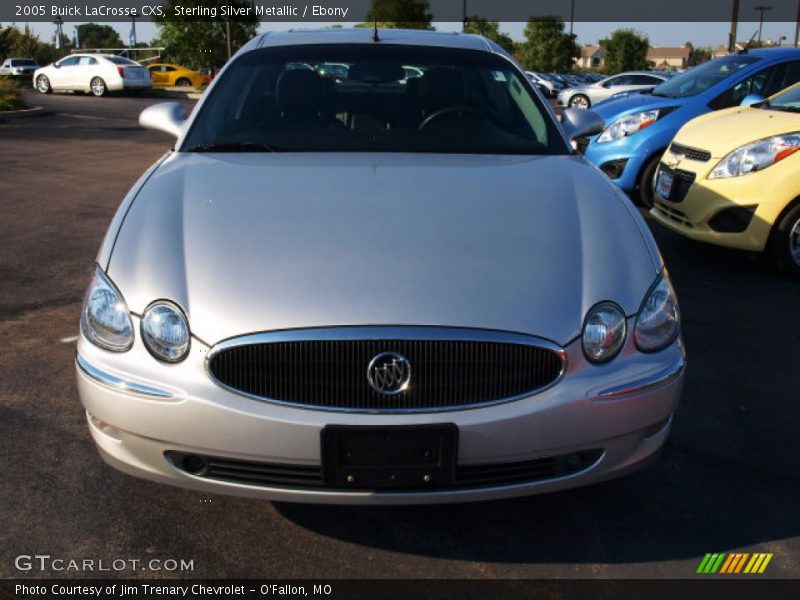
94	35
199	44
491	30
547	46
399	14
698	55
625	50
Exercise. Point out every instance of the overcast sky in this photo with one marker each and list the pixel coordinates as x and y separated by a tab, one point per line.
660	34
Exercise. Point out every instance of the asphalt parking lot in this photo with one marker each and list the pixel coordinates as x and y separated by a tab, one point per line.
726	481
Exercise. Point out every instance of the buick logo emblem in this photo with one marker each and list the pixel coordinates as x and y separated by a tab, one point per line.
389	373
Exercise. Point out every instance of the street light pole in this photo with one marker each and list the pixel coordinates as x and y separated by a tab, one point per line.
132	37
797	27
734	22
59	22
228	36
572	16
761	9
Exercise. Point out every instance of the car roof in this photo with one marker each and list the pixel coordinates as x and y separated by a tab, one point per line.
363	35
776	53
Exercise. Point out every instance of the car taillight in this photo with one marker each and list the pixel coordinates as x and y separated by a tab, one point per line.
121	71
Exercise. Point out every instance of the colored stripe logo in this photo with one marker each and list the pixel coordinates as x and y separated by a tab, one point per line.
734	563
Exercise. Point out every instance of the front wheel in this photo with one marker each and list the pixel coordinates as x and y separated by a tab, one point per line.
43	84
580	101
785	242
645	183
98	87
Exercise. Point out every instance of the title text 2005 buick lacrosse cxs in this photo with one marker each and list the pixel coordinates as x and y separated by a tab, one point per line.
377	288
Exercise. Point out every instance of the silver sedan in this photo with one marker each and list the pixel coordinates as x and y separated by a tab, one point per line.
376	289
587	96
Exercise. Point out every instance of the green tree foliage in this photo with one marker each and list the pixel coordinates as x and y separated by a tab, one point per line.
197	44
400	14
626	50
548	47
25	43
94	35
699	54
491	30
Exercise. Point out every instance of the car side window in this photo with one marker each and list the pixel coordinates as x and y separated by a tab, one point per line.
87	60
765	83
169	69
70	61
613	81
646	80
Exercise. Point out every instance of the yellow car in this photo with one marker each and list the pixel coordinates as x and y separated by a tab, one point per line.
170	75
732	178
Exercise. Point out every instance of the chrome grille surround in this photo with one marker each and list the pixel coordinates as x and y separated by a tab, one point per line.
388	334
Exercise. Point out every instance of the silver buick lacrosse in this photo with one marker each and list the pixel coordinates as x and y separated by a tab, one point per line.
373	270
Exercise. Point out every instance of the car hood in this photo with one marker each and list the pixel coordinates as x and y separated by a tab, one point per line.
614	108
257	242
723	131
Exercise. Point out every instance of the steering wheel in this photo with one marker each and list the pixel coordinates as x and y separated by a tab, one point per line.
449	110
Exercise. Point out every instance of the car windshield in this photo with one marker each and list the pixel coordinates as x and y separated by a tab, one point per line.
789	100
698	79
360	98
121	60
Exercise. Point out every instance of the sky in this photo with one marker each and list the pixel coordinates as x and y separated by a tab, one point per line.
660	34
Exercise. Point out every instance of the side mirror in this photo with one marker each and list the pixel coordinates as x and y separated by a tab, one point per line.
752	99
166	116
578	123
56	65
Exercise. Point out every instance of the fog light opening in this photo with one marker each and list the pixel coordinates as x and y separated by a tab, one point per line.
614	168
195	465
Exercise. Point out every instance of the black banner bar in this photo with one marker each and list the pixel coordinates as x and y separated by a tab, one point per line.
355	11
705	587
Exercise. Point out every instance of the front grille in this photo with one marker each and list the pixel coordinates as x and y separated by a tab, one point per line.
690	153
333	373
310	477
681	182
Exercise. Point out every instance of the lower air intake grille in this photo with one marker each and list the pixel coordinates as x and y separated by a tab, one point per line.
333	373
304	476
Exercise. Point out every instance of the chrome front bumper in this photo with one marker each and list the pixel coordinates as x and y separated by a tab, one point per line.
623	408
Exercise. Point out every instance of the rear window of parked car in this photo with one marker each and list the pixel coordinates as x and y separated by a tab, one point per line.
290	99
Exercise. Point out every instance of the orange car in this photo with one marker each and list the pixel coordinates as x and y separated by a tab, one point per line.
169	75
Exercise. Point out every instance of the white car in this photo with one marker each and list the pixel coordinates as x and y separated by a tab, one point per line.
95	73
552	87
18	66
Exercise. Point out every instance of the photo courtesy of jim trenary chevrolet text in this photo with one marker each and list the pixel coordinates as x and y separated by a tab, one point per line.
399	298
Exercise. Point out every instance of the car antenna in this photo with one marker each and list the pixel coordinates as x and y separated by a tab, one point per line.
750	41
375	37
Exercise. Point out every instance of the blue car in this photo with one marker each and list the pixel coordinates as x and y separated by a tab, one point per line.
639	127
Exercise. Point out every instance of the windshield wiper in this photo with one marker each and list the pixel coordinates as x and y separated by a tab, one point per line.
236	147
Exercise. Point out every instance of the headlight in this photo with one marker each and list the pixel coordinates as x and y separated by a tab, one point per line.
105	320
756	156
604	332
165	331
658	321
630	124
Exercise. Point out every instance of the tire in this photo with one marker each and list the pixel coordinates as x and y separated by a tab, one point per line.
644	187
98	87
784	243
43	85
183	82
580	101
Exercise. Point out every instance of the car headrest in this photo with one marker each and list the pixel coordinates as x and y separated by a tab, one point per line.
300	91
441	87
